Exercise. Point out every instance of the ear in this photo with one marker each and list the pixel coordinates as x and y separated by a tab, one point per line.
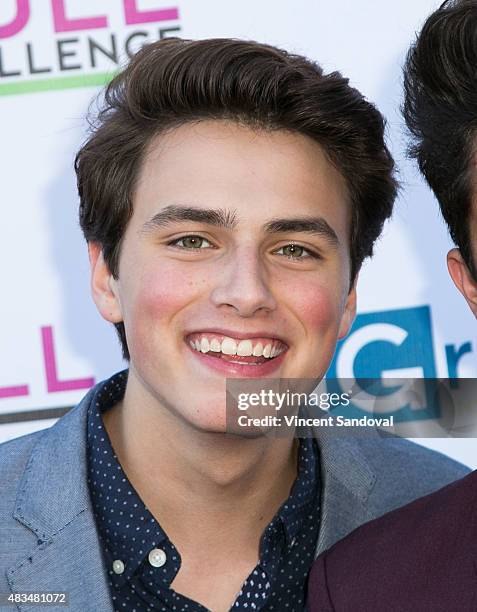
104	287
462	278
349	312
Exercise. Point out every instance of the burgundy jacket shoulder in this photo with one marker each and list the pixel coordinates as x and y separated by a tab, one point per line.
422	556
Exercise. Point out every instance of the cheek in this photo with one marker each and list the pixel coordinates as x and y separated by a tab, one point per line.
317	305
318	310
156	301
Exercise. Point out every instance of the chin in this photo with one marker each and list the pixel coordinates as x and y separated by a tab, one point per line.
207	420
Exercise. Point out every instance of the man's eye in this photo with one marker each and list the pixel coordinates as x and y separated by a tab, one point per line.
190	242
295	251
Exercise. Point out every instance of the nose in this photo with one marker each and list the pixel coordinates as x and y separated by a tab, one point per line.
242	285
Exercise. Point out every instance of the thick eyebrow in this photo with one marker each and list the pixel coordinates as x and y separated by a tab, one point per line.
227	219
308	225
219	217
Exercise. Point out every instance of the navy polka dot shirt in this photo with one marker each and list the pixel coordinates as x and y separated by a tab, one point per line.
142	562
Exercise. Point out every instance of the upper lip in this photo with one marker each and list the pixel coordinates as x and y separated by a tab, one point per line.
239	335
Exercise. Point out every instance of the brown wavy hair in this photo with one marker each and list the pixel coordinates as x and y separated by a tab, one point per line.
173	81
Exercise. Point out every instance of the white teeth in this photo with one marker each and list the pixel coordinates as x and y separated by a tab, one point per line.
229	346
258	350
244	348
215	345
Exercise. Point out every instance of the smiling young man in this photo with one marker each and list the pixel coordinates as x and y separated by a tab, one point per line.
423	556
229	194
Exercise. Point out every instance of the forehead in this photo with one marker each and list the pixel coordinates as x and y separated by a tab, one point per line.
259	174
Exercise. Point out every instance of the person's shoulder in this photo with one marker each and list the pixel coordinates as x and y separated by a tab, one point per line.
14	457
429	543
53	443
406	470
433	519
14	454
439	511
401	454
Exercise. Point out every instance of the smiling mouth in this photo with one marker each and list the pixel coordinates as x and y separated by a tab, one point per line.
252	351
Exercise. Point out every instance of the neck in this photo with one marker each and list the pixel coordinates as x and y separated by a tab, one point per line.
193	480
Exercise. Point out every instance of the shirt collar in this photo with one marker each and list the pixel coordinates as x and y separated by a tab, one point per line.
117	490
303	496
111	490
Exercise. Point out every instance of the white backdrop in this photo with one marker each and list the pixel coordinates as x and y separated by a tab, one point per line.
53	344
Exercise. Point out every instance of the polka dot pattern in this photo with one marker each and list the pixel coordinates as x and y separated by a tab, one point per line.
129	533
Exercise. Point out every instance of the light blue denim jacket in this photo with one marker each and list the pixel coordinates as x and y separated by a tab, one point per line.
48	536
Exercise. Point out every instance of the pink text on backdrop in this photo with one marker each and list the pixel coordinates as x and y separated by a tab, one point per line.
53	382
63	23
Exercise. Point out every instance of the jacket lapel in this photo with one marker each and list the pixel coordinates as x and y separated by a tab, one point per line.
53	503
347	481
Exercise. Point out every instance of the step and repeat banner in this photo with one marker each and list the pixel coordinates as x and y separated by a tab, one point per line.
55	55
